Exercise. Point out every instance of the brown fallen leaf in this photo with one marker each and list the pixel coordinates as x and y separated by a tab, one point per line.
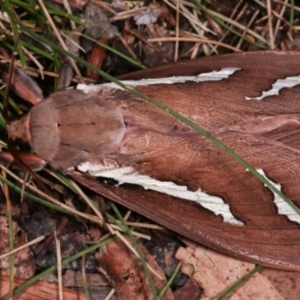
96	58
162	52
188	291
126	274
215	273
286	283
40	290
75	279
24	265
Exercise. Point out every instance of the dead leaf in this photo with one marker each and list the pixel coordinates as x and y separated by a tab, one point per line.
215	273
74	278
24	265
40	290
188	291
286	283
125	272
96	58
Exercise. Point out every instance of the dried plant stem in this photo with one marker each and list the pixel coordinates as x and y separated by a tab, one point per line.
59	37
58	267
271	36
87	201
56	202
35	241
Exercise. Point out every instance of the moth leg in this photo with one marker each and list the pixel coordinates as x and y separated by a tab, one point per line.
31	160
22	84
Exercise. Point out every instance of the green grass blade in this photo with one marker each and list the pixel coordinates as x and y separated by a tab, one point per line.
240	282
170	281
138	250
66	261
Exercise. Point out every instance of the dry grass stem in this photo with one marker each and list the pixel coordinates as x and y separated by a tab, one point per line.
87	201
58	36
35	241
136	234
110	294
38	64
270	24
69	11
125	241
54	201
59	267
197	40
177	32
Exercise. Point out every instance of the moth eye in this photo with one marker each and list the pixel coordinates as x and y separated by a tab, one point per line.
58	124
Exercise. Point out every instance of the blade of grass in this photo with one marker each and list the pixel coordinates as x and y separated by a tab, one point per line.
55	10
10	235
58	36
33	9
52	269
32	242
30	196
218	17
114	223
170	281
2	122
138	250
37	50
292	12
67	181
84	279
61	207
240	282
9	10
138	64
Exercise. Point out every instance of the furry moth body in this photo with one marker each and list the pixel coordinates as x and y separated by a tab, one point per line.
166	171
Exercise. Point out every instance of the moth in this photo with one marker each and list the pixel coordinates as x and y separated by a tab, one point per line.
165	170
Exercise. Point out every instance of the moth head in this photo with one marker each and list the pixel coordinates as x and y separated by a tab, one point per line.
20	129
24	86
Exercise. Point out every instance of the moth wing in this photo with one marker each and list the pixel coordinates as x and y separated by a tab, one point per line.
264	132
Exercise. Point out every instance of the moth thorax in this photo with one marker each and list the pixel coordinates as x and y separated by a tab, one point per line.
20	129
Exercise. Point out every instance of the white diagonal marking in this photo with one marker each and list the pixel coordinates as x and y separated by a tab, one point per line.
283	207
210	76
288	82
129	175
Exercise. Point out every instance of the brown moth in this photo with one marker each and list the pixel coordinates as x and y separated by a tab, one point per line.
173	175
